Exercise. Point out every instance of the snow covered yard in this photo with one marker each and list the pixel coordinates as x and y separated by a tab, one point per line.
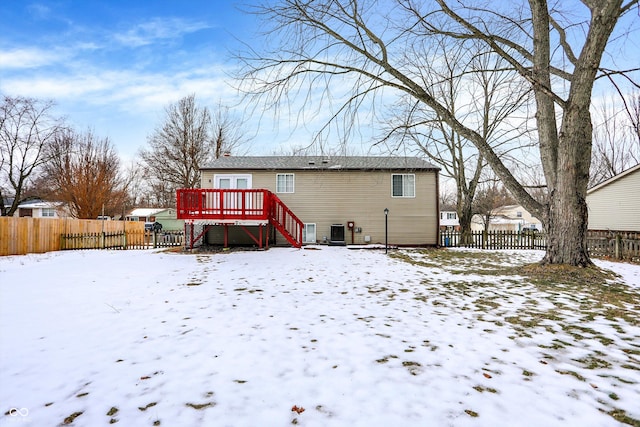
328	337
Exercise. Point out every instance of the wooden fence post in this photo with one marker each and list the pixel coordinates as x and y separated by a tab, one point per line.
618	246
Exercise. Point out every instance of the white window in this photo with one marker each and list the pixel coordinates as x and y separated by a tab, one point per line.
451	215
226	182
284	183
519	214
403	185
48	212
309	233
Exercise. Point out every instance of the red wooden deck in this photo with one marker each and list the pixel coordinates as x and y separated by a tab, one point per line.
241	208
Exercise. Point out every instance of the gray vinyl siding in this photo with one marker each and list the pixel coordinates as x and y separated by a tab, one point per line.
616	206
336	197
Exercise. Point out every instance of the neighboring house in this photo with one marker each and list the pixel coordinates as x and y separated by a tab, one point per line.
144	214
507	218
449	221
169	221
340	200
41	209
165	216
615	203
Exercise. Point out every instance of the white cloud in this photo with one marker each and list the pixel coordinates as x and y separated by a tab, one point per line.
28	57
158	29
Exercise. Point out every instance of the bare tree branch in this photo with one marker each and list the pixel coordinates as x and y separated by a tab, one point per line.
27	127
351	50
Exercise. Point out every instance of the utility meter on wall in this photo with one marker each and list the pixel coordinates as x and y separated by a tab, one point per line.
350	225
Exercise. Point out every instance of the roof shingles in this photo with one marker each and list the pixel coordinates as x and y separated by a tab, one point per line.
320	163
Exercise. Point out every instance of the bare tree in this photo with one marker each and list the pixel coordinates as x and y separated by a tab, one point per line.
616	142
490	197
83	172
227	132
484	94
27	127
187	139
634	114
136	186
447	198
365	46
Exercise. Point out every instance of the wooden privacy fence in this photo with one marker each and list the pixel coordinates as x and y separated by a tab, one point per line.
614	244
19	236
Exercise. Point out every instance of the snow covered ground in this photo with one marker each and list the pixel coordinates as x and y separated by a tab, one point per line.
328	337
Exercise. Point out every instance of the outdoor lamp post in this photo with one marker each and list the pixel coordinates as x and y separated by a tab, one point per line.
386	230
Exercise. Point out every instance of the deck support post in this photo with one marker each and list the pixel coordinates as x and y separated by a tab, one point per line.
268	234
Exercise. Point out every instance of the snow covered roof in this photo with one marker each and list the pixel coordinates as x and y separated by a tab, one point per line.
146	211
37	204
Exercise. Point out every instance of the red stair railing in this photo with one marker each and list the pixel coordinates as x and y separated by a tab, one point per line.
285	221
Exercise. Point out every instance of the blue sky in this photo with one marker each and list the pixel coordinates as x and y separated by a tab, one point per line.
114	66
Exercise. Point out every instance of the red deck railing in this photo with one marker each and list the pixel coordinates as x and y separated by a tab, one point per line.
203	203
239	205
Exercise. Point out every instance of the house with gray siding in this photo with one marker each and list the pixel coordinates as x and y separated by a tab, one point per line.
337	200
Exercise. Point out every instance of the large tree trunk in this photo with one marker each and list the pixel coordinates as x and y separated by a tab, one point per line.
566	156
464	218
464	203
567	221
567	230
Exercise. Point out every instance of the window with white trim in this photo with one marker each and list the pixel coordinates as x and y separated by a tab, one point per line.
309	233
284	183
403	185
232	181
48	212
